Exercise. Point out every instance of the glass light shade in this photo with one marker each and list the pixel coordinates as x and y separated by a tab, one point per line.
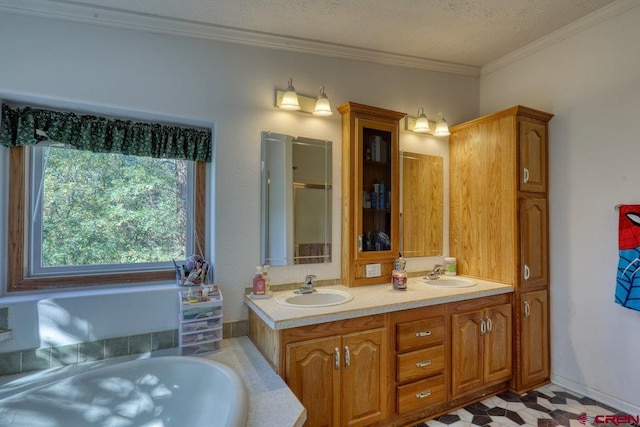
442	129
323	107
290	98
422	122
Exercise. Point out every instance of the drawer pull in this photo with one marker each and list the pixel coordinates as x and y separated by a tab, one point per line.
347	356
423	363
423	394
423	334
336	358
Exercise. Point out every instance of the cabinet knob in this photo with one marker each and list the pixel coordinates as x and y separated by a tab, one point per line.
423	363
423	394
423	334
336	358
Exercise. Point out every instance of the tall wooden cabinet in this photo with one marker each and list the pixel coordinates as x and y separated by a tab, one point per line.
370	193
499	222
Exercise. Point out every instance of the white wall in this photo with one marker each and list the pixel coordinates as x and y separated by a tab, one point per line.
230	85
591	83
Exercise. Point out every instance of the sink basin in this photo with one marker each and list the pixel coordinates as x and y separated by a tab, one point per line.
320	298
450	282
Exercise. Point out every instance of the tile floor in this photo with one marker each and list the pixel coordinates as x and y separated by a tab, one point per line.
547	406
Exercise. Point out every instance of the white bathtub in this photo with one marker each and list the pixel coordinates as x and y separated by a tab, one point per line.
156	392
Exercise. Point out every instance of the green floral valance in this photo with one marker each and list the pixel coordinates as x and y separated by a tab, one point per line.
28	126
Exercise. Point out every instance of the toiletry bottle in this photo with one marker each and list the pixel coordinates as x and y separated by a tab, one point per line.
266	277
383	196
450	266
399	275
258	282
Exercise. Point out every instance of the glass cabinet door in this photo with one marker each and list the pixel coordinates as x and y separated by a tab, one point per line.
375	228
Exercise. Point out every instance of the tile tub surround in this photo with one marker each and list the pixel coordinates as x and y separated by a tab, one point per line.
51	357
271	402
547	406
372	299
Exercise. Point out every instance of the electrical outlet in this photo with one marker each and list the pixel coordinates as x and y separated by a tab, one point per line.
372	270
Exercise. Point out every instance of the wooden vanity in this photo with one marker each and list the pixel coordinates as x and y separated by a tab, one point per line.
389	358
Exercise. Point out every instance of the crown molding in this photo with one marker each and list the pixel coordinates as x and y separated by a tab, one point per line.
97	15
563	33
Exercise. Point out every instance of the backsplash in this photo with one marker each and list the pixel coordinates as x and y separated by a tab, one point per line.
51	357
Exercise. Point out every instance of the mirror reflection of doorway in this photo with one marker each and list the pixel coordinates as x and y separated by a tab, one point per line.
310	232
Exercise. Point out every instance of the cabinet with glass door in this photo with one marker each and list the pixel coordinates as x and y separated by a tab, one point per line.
370	196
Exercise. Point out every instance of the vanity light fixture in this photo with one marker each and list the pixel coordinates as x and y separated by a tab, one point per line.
323	107
290	100
442	129
421	124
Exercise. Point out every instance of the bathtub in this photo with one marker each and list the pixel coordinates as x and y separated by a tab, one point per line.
156	392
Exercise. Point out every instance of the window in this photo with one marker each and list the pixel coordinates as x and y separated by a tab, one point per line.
96	218
111	201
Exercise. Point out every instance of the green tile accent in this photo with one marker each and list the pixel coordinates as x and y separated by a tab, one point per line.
90	351
161	340
114	347
4	318
140	343
64	355
35	360
11	363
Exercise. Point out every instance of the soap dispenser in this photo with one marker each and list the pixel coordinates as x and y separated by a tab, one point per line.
258	282
399	274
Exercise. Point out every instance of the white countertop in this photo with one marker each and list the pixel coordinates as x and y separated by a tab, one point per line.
368	300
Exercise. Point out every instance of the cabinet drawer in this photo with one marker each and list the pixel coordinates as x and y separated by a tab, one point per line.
421	394
420	363
419	333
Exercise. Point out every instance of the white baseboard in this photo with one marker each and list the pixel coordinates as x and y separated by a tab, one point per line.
583	390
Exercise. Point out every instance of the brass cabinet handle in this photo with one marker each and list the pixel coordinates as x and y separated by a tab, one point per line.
489	324
483	327
423	394
336	358
347	356
423	363
525	175
527	272
423	334
527	309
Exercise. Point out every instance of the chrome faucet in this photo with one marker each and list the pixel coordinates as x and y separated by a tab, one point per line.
307	287
436	272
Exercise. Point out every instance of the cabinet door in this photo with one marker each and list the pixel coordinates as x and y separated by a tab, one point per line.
497	343
535	338
364	377
313	374
467	357
533	243
533	157
377	217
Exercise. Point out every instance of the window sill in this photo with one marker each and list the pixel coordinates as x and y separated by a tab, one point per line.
118	289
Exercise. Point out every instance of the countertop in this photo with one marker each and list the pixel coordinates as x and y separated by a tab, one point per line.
368	300
271	402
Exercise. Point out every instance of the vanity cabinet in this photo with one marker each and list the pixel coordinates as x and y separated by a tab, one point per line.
338	370
370	193
421	360
481	346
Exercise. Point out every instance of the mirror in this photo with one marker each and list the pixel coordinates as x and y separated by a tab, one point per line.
421	216
296	200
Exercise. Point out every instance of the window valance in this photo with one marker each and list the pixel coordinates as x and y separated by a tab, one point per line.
28	126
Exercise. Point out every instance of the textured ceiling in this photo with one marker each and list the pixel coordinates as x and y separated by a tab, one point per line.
468	32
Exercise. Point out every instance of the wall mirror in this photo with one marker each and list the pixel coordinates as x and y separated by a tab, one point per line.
296	200
421	216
